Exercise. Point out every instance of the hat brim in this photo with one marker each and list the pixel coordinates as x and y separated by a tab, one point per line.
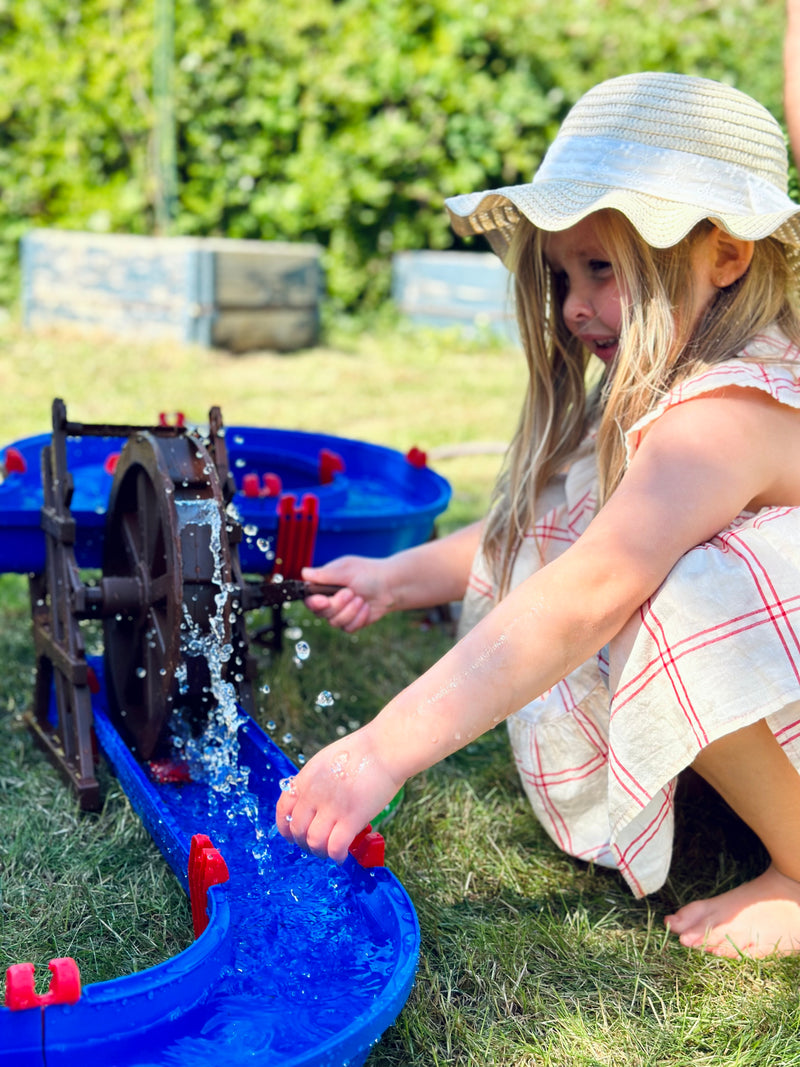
557	205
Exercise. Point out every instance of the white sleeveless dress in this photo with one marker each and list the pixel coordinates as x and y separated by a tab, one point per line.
718	649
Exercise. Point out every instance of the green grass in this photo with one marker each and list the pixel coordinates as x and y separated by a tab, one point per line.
528	958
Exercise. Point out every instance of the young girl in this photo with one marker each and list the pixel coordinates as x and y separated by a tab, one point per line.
632	598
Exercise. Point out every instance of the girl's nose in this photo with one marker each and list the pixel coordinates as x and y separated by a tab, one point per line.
578	308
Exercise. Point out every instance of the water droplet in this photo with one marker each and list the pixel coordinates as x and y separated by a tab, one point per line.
270	725
302	650
324	699
265	688
141	672
287	739
286	784
288	818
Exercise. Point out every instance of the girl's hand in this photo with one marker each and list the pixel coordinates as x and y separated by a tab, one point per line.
364	598
335	796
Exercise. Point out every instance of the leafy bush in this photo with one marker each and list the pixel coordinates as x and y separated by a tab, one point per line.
345	122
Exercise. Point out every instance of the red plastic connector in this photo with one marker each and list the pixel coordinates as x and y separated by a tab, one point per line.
65	985
368	848
416	457
92	681
14	462
169	771
273	486
330	464
250	486
110	465
178	416
206	868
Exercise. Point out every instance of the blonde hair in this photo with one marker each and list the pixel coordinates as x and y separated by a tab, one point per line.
659	346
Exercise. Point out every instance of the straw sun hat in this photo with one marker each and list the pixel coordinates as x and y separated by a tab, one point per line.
667	150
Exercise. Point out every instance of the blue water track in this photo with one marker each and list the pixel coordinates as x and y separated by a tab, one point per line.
302	963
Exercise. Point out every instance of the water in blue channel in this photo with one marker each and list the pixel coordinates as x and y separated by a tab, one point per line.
308	953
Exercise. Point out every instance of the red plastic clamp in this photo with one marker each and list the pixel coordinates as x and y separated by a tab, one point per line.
416	457
206	868
65	985
368	848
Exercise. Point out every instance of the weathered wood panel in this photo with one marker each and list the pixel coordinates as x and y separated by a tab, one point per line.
468	289
208	291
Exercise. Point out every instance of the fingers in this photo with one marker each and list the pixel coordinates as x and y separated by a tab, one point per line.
345	610
303	825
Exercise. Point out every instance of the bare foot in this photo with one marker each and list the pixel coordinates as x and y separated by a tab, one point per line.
755	919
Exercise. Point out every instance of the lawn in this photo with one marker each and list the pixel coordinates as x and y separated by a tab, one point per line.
528	957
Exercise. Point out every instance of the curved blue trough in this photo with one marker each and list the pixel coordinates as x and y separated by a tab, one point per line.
302	962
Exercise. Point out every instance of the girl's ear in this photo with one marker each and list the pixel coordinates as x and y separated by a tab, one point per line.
730	258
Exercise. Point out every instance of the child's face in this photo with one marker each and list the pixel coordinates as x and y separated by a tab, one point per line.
591	299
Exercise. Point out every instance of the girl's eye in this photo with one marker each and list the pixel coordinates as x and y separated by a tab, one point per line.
599	266
561	280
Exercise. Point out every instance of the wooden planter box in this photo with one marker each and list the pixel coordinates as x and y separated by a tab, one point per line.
211	291
468	289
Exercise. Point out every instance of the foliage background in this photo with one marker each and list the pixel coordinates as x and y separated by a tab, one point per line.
344	122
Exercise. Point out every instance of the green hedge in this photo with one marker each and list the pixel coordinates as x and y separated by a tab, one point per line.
345	123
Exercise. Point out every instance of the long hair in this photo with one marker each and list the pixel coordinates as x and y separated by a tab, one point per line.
659	346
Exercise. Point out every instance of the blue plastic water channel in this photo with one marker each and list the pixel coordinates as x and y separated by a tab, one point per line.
380	504
303	963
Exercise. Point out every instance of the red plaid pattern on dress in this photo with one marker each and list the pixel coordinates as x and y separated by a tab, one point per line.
718	648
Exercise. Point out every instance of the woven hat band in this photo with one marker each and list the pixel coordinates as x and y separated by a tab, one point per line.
711	184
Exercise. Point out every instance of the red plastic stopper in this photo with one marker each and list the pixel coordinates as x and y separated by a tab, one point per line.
416	457
368	848
273	486
330	464
14	461
206	868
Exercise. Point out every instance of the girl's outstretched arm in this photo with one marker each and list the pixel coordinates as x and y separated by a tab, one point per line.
700	465
421	577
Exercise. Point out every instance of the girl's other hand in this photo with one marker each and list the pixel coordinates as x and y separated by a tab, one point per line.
335	796
364	597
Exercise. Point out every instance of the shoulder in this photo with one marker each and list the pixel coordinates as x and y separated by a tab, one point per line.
766	373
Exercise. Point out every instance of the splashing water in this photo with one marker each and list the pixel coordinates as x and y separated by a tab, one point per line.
213	755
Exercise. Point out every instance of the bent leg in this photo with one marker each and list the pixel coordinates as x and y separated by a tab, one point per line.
750	770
